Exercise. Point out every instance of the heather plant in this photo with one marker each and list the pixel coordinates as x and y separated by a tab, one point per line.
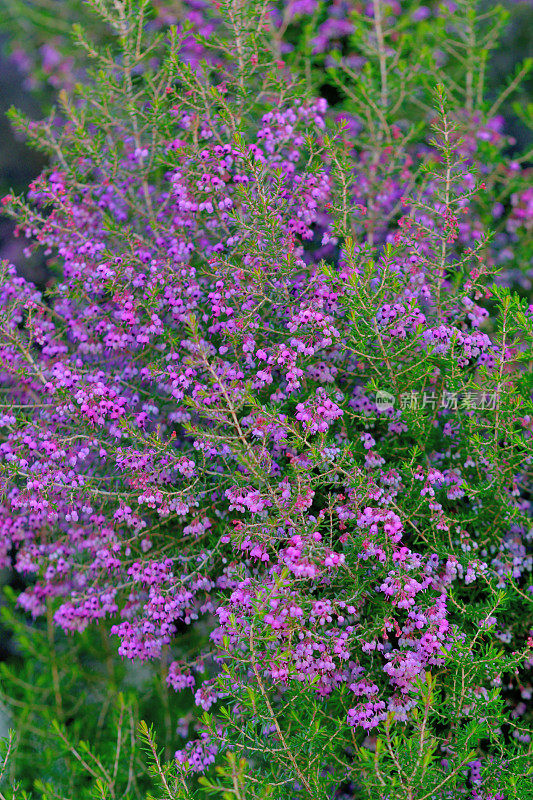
267	433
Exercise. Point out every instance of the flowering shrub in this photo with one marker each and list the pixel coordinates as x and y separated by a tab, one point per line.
269	426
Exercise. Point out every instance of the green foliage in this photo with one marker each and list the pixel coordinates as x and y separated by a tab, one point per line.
77	708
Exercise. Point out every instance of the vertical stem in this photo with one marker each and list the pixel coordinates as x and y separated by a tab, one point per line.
53	660
500	374
272	713
384	101
126	44
382	55
471	60
166	705
446	148
235	13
